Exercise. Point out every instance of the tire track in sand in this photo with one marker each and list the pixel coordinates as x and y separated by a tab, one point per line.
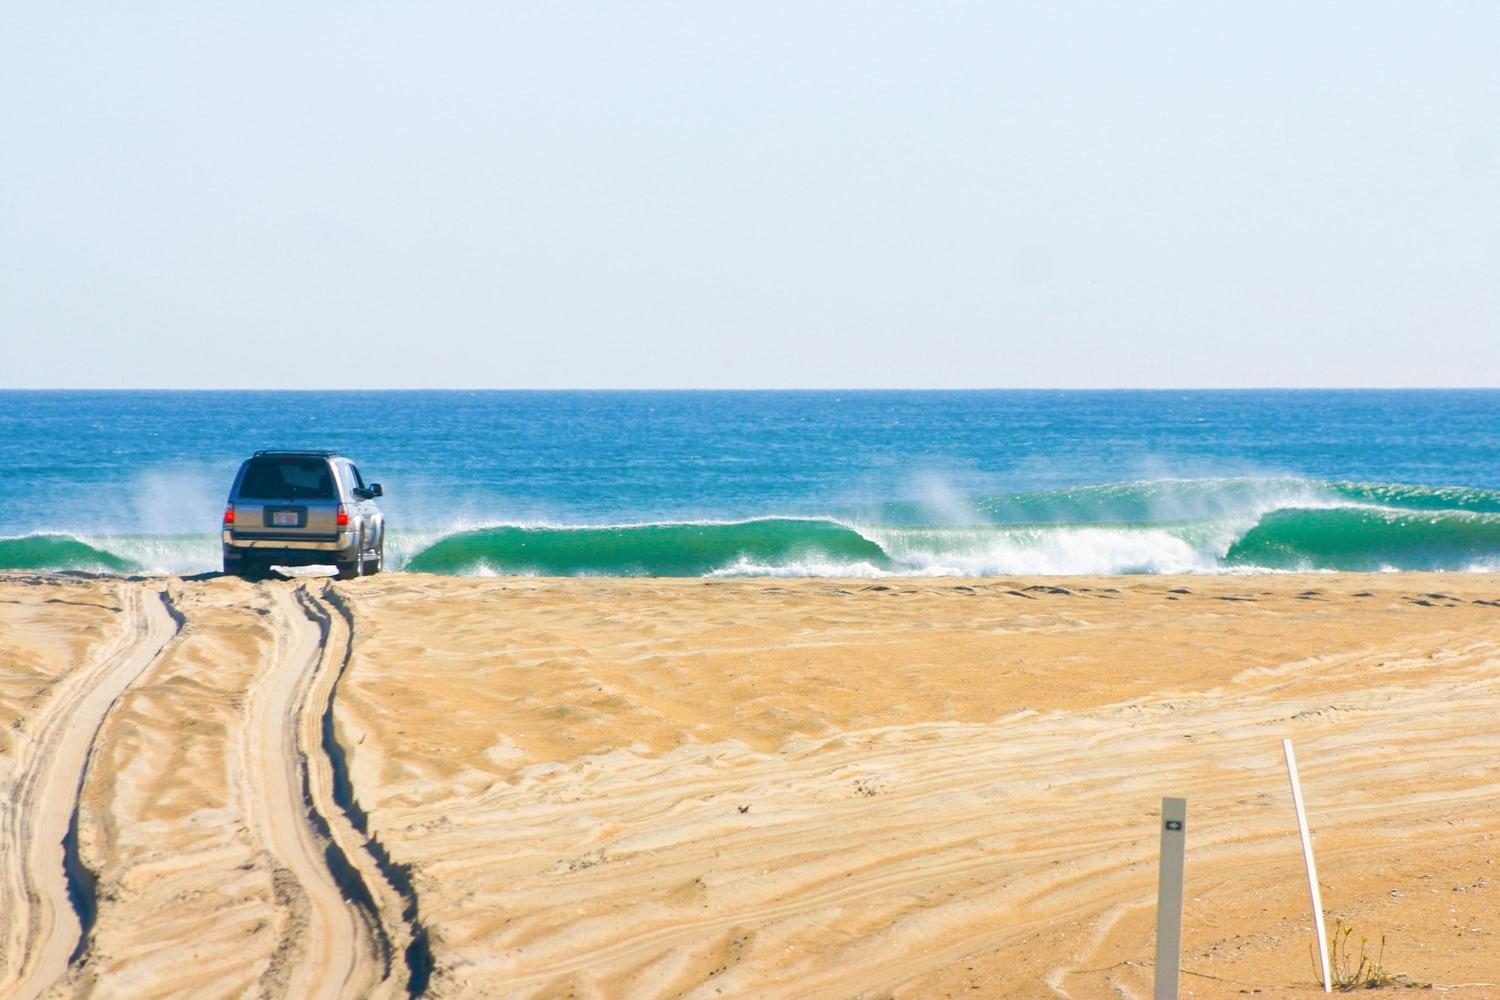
39	861
387	886
344	917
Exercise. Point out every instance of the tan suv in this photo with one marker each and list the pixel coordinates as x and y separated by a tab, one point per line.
302	508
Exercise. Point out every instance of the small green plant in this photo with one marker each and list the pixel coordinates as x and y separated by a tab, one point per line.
1352	970
1356	973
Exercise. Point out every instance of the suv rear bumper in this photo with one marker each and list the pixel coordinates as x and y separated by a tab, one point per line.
287	550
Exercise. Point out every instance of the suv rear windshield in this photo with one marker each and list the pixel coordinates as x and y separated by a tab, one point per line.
272	478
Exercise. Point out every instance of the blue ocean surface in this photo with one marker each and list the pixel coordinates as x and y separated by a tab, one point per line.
857	483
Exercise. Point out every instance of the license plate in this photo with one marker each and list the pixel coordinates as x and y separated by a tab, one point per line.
284	518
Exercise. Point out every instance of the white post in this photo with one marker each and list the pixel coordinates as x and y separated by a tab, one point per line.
1169	898
1307	857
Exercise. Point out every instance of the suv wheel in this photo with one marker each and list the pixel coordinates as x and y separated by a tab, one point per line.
376	563
356	566
246	568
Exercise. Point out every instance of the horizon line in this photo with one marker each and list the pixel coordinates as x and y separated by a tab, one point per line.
749	389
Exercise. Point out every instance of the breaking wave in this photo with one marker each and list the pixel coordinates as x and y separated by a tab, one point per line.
59	552
1162	526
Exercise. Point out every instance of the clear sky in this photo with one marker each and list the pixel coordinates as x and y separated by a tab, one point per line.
557	194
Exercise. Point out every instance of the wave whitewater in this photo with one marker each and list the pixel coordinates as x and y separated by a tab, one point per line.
1163	526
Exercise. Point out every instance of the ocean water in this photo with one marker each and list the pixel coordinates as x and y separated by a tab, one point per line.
784	483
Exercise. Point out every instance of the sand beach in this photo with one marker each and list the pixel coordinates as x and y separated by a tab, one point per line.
616	787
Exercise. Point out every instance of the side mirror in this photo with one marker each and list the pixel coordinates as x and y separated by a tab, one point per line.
376	491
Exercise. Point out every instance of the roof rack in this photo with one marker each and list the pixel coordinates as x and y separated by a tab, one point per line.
296	451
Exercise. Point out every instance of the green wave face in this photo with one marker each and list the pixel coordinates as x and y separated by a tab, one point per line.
1363	539
59	552
648	549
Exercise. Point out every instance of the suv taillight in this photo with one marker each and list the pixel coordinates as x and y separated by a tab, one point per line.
229	514
343	515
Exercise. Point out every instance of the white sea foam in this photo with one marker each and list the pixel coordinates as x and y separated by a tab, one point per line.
161	553
1056	549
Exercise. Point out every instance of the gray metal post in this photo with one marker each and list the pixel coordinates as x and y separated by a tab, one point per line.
1169	898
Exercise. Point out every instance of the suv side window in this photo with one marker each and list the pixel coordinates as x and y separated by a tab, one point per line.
358	480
